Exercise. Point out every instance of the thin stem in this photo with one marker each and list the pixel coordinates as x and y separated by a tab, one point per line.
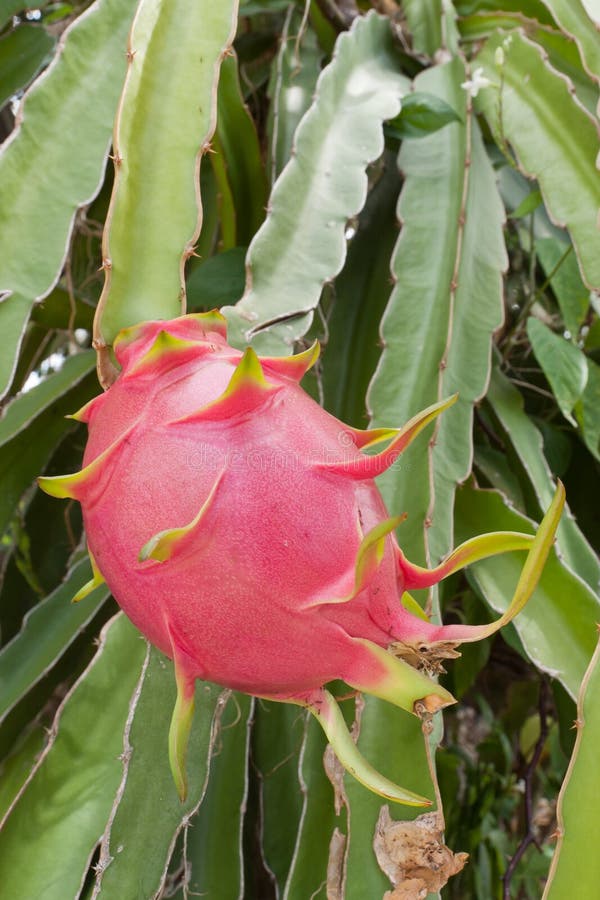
529	837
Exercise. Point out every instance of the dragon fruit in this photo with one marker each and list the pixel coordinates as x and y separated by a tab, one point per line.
240	528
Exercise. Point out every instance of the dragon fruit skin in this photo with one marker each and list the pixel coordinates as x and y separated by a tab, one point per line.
239	527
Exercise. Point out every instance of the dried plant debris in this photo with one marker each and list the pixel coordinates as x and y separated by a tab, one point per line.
414	856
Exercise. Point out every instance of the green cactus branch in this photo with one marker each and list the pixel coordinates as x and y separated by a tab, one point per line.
166	118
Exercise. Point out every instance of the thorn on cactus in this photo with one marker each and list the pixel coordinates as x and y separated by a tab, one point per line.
220	501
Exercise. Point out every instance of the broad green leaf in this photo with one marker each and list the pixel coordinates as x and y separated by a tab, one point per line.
527	206
588	411
563	364
165	120
146	813
214	839
54	311
14	314
562	51
360	294
238	142
436	346
558	625
22	53
507	404
307	876
17	766
532	9
554	138
294	73
564	56
278	735
34	423
302	244
64	129
563	272
421	114
50	833
424	18
575	867
47	632
217	280
573	19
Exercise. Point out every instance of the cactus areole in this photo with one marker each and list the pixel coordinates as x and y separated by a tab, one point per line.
240	528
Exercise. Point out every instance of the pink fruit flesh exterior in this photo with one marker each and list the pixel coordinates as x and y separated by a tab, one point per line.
228	512
245	598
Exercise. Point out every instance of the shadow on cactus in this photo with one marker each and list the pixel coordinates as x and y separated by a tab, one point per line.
239	526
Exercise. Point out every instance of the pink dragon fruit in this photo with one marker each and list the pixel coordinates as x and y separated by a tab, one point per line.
239	527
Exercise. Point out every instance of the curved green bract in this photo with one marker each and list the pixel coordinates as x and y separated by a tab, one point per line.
166	117
329	716
64	129
554	137
301	244
576	864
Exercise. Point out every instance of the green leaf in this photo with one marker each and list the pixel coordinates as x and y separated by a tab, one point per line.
421	114
361	293
576	863
563	364
572	295
66	801
554	138
17	766
294	74
165	120
65	128
557	627
47	632
54	311
307	875
527	206
574	20
22	54
214	839
146	813
217	280
424	19
238	142
507	404
278	736
34	423
301	244
588	411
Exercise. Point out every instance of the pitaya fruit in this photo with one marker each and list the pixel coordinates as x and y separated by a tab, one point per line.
239	527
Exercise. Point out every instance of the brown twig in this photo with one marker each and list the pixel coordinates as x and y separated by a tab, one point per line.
341	14
529	837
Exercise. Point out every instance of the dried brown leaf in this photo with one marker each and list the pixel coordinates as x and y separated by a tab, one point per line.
414	856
